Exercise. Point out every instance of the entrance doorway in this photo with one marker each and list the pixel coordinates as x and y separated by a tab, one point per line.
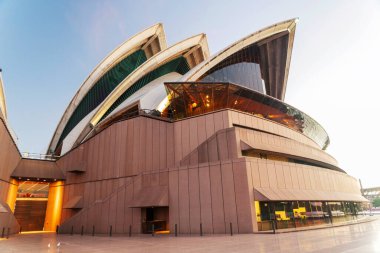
155	219
31	203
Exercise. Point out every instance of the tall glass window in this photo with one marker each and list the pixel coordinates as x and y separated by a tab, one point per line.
242	67
294	214
245	73
187	99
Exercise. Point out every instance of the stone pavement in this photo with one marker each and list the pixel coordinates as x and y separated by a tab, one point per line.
358	238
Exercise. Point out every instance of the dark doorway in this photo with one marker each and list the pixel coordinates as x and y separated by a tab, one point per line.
155	219
150	214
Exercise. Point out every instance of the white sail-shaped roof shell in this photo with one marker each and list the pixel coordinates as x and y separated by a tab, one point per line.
139	41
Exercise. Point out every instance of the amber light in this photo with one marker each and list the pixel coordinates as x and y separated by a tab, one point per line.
12	194
165	232
36	232
258	210
194	105
277	116
231	96
54	206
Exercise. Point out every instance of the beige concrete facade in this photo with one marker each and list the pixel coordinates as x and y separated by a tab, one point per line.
200	160
9	158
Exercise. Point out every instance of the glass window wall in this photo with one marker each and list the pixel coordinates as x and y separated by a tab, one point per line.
293	214
194	98
244	73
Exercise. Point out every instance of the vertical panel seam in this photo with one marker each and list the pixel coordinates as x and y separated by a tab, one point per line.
237	215
221	186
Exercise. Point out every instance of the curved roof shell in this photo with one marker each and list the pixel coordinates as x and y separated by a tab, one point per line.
189	58
127	56
275	44
3	105
186	48
179	58
148	97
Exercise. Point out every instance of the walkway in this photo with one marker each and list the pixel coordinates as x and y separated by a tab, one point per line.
357	238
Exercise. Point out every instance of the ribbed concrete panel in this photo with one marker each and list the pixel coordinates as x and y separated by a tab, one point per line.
212	193
9	158
38	169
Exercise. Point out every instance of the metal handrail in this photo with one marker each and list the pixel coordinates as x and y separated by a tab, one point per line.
37	156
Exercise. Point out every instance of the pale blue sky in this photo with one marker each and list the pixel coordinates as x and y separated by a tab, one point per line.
47	49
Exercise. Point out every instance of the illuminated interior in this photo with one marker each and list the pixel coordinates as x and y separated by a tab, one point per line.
294	214
38	204
33	190
31	202
194	98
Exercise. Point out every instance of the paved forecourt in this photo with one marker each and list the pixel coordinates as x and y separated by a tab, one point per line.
364	237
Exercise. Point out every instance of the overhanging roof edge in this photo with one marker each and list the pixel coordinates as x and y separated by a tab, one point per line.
285	26
3	105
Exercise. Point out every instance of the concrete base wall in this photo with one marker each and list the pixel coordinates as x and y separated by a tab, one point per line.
9	158
199	160
8	221
215	195
111	210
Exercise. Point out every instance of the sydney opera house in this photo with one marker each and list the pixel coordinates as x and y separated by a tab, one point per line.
170	139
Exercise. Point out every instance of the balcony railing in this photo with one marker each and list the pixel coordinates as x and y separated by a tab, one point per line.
37	156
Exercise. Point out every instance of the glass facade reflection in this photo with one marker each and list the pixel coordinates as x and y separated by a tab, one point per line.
188	99
242	67
244	73
293	214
